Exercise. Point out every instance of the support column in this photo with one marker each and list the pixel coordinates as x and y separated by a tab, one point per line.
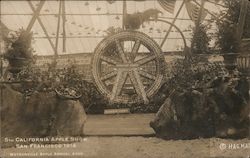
124	12
171	26
42	25
1	79
35	15
63	25
58	28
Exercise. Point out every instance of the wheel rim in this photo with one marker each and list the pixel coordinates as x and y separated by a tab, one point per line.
121	72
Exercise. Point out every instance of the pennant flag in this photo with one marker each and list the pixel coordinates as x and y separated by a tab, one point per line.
98	9
111	1
167	5
117	17
86	3
194	11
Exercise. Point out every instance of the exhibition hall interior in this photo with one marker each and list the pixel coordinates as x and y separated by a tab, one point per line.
161	78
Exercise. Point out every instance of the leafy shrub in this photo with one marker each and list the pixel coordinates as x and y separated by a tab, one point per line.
186	75
200	40
191	73
64	80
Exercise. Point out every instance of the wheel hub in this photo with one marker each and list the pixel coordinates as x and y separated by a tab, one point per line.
127	66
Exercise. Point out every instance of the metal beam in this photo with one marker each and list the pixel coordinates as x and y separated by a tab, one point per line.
63	25
124	13
3	25
58	27
217	19
53	37
68	14
1	79
35	14
161	17
181	32
43	27
46	14
171	26
4	29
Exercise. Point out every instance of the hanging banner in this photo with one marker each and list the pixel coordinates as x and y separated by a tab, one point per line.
167	5
194	11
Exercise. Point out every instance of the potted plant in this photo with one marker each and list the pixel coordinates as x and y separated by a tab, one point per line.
19	51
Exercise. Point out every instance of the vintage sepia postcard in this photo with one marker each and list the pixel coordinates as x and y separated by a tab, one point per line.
125	78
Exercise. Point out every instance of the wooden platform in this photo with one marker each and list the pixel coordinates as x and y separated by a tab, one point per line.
119	125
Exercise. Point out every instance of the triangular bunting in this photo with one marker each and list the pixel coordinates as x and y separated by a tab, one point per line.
194	11
167	5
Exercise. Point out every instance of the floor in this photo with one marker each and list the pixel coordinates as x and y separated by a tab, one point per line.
119	125
127	136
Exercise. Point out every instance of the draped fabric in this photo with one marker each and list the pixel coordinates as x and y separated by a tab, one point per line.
194	11
167	5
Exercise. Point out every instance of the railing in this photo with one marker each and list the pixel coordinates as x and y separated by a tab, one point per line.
243	64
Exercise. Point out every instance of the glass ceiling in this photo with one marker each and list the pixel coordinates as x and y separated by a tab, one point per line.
87	23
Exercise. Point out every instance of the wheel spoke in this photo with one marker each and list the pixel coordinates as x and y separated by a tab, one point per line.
135	49
121	52
109	75
147	75
108	60
119	83
137	83
145	60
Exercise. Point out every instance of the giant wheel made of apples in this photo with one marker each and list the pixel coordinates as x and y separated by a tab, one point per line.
128	67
